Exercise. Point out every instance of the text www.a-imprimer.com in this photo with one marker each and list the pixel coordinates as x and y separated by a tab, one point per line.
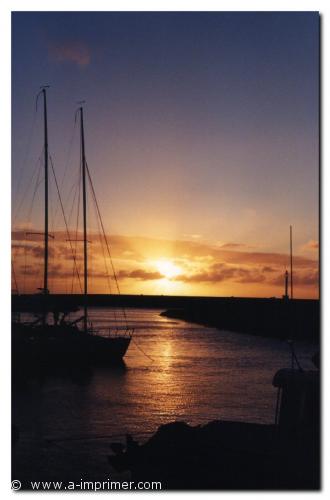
96	485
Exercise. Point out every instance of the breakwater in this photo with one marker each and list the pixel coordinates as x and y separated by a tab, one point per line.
294	319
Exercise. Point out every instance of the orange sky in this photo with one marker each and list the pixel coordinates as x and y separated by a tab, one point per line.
158	266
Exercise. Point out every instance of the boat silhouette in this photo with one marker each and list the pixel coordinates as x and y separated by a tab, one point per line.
52	337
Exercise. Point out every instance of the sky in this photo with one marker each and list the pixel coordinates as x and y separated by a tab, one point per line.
201	137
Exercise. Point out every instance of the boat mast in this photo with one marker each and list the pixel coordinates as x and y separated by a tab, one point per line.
46	234
83	166
45	290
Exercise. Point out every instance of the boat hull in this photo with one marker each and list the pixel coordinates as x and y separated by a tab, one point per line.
55	344
108	349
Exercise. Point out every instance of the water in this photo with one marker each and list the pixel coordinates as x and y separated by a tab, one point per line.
174	371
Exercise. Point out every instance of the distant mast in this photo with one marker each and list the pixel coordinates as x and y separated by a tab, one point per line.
291	271
286	285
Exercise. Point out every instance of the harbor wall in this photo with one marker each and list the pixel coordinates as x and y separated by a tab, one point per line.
270	317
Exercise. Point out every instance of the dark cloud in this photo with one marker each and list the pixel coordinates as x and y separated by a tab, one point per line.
310	278
268	269
36	251
220	272
29	270
140	248
233	245
206	263
140	274
65	252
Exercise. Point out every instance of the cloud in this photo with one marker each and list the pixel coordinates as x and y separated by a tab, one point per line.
268	269
140	274
36	251
220	272
310	278
199	262
311	245
55	270
65	252
270	258
23	226
131	249
29	270
233	245
139	248
76	52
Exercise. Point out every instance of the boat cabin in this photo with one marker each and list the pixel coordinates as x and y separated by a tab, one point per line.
298	400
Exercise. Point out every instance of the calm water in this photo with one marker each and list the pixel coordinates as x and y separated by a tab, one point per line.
174	371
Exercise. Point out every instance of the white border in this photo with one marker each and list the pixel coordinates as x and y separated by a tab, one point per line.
6	7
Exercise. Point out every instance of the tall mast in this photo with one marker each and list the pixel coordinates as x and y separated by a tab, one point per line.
45	289
291	275
83	166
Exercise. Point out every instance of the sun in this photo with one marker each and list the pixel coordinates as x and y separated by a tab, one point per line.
167	268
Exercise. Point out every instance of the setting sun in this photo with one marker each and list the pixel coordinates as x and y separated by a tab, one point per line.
167	268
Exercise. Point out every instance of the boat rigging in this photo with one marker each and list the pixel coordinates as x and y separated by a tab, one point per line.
63	336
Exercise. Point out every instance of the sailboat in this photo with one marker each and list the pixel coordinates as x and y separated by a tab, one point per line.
46	340
113	346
